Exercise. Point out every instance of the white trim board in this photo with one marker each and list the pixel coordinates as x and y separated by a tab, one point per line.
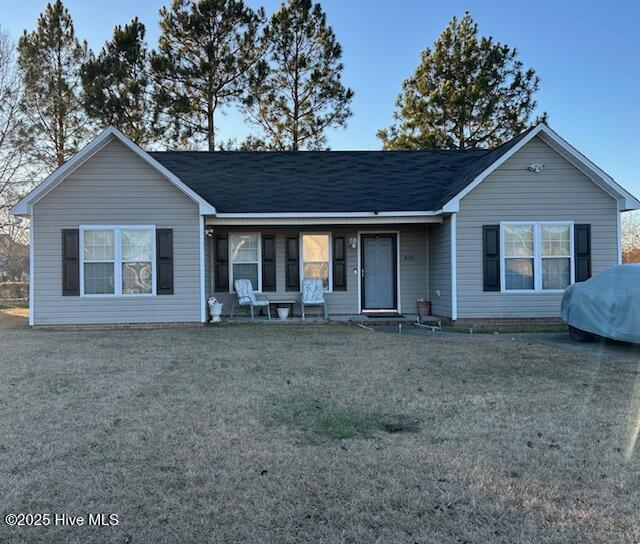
344	219
453	242
625	200
203	291
32	274
23	208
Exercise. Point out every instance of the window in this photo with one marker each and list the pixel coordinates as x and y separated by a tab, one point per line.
99	260
537	256
117	260
519	257
245	259
137	263
316	258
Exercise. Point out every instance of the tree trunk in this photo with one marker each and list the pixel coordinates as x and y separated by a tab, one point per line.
296	103
211	135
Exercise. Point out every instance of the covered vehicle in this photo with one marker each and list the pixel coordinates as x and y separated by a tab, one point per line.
606	305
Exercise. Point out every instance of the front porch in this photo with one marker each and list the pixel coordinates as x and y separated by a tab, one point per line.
369	271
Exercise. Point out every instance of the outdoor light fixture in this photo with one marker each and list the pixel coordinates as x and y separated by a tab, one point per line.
208	232
536	167
353	242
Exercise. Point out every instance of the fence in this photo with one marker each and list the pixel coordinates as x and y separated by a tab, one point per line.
14	291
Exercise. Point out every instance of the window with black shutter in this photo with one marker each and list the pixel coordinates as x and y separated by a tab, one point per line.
221	257
582	250
491	252
164	261
292	264
268	262
339	264
70	262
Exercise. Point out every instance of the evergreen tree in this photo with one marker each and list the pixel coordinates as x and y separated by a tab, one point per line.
116	83
205	51
50	58
297	94
466	92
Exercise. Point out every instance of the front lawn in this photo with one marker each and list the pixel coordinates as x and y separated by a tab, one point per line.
317	433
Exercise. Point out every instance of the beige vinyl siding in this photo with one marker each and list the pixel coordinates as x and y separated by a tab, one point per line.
512	193
440	267
115	187
413	267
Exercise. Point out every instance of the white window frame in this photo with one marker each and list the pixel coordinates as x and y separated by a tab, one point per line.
537	257
231	263
330	262
117	260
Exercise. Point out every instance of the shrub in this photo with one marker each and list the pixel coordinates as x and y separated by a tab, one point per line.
13	290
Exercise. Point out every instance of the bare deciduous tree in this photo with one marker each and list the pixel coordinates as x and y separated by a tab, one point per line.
14	144
631	237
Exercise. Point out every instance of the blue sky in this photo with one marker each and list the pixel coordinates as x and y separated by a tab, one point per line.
587	54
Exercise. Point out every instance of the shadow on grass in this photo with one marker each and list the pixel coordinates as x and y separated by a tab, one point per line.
321	420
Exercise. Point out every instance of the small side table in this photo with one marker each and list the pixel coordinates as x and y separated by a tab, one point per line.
289	302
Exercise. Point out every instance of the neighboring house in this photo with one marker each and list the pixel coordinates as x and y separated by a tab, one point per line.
119	235
14	259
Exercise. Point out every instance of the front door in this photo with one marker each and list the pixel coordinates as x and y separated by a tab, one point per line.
378	272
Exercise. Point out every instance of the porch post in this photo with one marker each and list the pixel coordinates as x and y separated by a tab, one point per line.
203	302
454	269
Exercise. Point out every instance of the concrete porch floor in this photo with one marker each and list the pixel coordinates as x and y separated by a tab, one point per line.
353	319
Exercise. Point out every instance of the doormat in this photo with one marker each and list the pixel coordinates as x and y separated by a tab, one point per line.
385	315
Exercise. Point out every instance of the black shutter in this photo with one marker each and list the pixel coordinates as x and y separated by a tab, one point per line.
269	263
70	262
221	256
339	264
164	261
293	267
491	252
582	249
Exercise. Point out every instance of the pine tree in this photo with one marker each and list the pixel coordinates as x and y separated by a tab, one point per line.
205	51
50	58
116	83
467	91
297	94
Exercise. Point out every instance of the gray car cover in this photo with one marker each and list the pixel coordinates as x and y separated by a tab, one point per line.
607	304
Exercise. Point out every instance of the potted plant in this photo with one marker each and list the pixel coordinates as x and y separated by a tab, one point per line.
215	309
283	312
424	308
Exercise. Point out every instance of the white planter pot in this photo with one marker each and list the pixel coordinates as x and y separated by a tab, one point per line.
283	313
215	309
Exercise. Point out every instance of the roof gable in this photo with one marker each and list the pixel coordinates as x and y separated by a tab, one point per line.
23	207
626	201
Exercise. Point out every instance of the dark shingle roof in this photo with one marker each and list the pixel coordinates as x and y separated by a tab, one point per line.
329	181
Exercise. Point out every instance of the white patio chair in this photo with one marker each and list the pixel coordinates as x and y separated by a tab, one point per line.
246	297
313	295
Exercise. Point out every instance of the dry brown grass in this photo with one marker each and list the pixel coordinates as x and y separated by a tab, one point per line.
316	433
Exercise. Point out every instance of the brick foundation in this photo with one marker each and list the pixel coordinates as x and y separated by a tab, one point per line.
116	326
506	320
